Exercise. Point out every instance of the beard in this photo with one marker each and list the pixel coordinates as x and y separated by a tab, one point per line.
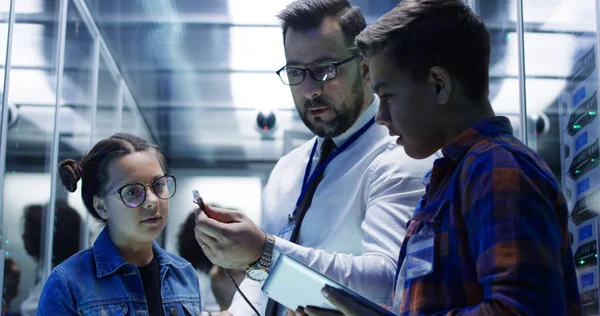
345	115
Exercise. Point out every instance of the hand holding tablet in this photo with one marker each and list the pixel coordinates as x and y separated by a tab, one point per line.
293	284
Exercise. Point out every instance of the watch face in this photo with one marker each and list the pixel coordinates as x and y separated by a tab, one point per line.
258	274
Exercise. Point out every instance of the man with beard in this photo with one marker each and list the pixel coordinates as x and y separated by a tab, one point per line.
340	202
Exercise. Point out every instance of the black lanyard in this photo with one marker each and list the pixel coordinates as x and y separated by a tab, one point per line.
320	168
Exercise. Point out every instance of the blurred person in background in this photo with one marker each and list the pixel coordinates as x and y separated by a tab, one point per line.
12	276
67	227
216	288
222	286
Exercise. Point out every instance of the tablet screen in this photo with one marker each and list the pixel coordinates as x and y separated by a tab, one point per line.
294	284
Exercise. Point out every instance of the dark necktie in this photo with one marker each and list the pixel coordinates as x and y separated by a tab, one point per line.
326	149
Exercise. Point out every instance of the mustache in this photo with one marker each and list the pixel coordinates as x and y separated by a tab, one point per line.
316	103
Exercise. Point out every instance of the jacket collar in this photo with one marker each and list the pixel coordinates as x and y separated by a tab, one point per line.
108	259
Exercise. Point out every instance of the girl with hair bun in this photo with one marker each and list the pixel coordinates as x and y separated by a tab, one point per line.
125	185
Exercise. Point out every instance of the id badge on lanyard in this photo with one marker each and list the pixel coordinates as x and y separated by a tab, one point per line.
288	229
419	253
420	248
418	262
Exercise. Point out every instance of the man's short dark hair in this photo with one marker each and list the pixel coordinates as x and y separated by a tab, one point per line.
419	34
67	225
304	15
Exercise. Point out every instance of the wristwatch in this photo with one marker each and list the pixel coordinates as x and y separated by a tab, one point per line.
259	271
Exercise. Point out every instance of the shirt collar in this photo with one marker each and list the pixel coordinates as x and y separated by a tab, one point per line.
368	114
485	128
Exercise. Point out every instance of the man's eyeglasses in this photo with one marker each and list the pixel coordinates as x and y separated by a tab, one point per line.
134	194
321	72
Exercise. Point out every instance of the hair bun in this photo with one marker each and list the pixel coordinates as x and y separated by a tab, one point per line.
70	173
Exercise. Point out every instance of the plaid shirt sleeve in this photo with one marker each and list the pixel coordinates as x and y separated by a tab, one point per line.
516	219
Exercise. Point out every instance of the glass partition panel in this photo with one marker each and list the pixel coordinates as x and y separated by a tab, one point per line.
27	178
500	19
129	124
4	11
133	122
561	48
78	106
109	98
11	274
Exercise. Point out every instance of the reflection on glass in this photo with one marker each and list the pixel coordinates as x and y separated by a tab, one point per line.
75	118
29	139
108	97
11	271
498	15
129	124
4	8
561	44
77	101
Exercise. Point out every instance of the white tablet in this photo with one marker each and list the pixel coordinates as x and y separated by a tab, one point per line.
294	284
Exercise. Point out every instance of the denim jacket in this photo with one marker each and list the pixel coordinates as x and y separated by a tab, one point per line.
98	281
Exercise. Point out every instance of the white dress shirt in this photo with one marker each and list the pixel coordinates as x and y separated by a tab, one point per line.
30	303
208	300
354	228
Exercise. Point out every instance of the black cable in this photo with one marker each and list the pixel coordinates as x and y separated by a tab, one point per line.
242	293
198	200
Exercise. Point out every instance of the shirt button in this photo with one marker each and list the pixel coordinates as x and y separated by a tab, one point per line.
173	311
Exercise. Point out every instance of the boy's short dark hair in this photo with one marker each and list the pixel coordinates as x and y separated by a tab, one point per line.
309	14
419	34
